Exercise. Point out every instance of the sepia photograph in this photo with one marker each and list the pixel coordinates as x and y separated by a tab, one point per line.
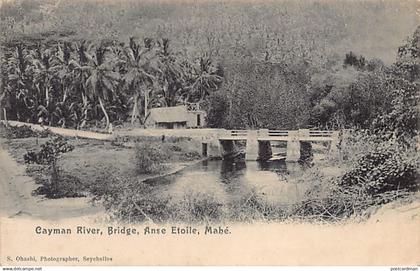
201	132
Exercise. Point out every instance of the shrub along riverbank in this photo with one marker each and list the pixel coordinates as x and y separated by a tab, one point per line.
375	169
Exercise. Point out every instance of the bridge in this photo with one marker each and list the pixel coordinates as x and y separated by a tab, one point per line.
258	144
216	142
279	135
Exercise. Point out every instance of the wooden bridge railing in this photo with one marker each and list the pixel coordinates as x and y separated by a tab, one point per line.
238	133
321	133
302	133
278	133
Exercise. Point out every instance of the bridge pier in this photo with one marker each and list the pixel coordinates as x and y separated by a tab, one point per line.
211	146
228	147
293	147
251	153
306	153
299	143
264	150
213	149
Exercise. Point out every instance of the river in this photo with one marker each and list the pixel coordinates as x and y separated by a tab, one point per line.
226	180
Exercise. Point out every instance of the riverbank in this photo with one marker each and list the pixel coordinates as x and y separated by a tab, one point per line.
18	200
177	185
389	237
85	167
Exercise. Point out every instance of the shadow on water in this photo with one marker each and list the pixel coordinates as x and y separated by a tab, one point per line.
229	180
230	169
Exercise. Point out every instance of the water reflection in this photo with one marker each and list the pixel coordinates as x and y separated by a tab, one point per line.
228	180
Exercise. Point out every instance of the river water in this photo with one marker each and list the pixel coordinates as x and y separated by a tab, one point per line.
226	180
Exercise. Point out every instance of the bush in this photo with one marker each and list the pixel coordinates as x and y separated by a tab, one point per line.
20	132
25	131
328	201
45	133
129	200
56	185
196	208
382	171
149	158
60	185
252	206
191	155
175	148
49	153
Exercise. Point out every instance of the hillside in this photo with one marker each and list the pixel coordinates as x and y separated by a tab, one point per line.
262	29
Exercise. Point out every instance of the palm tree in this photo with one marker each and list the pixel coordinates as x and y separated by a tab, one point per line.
62	62
101	81
203	78
142	68
80	70
44	73
19	82
172	78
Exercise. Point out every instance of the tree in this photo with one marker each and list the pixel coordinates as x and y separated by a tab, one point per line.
267	95
408	60
80	74
401	123
353	60
401	119
44	73
101	81
142	69
171	78
219	108
19	83
349	96
67	108
203	77
64	72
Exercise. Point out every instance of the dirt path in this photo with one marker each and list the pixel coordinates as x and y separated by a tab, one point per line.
16	197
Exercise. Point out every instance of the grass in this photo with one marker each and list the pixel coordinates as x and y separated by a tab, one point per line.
146	204
64	186
197	207
80	168
149	159
321	200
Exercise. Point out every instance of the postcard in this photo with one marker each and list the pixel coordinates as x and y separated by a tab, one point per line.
209	133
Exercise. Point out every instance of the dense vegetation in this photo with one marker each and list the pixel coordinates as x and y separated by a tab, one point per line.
276	65
70	83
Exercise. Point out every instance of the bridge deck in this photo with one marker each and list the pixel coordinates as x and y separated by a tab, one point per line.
278	138
287	138
221	134
233	138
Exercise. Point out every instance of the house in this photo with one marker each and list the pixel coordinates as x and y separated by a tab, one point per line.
177	117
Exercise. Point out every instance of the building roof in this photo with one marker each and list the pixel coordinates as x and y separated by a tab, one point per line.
169	114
